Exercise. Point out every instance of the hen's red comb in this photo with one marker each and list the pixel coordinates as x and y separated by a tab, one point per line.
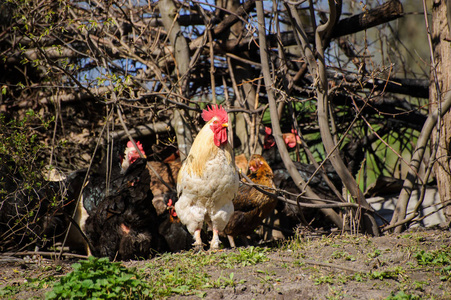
138	143
215	111
268	130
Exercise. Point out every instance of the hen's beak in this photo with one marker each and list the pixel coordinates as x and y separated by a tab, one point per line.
225	125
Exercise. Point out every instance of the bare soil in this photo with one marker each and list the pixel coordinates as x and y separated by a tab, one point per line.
335	267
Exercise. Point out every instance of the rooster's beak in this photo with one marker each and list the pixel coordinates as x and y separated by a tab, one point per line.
225	125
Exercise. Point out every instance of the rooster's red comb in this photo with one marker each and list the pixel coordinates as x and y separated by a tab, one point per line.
215	111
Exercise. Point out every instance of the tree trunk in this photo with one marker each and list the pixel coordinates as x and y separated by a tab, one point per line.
442	56
246	95
168	15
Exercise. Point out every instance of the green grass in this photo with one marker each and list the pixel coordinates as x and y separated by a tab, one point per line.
30	284
433	258
325	279
185	273
342	254
436	258
374	254
169	274
392	273
402	296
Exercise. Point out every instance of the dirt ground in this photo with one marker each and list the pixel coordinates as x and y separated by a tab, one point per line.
334	267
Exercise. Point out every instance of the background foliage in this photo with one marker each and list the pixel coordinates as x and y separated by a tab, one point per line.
89	70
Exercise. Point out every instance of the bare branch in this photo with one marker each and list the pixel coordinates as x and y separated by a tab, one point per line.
389	11
329	213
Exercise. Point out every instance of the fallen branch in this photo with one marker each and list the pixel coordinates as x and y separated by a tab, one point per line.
41	253
324	264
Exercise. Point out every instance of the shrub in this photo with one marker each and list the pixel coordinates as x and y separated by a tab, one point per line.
98	278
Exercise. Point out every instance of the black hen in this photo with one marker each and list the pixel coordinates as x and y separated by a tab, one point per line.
289	216
174	232
123	224
105	180
33	212
282	179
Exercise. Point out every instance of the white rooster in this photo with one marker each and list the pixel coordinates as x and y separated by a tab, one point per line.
208	181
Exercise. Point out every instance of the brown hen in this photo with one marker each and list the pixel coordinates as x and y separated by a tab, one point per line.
168	172
251	206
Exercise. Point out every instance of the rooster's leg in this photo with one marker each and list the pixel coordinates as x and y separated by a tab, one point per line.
197	239
214	244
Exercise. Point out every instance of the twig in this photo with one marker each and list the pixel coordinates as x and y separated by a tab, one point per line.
417	157
329	265
414	215
85	180
263	189
149	166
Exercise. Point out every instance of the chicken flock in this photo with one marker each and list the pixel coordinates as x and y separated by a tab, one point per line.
133	208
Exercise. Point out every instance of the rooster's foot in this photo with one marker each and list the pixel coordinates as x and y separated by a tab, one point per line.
214	248
198	248
215	242
198	245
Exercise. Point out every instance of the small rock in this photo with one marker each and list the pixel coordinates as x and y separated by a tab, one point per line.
240	288
215	295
